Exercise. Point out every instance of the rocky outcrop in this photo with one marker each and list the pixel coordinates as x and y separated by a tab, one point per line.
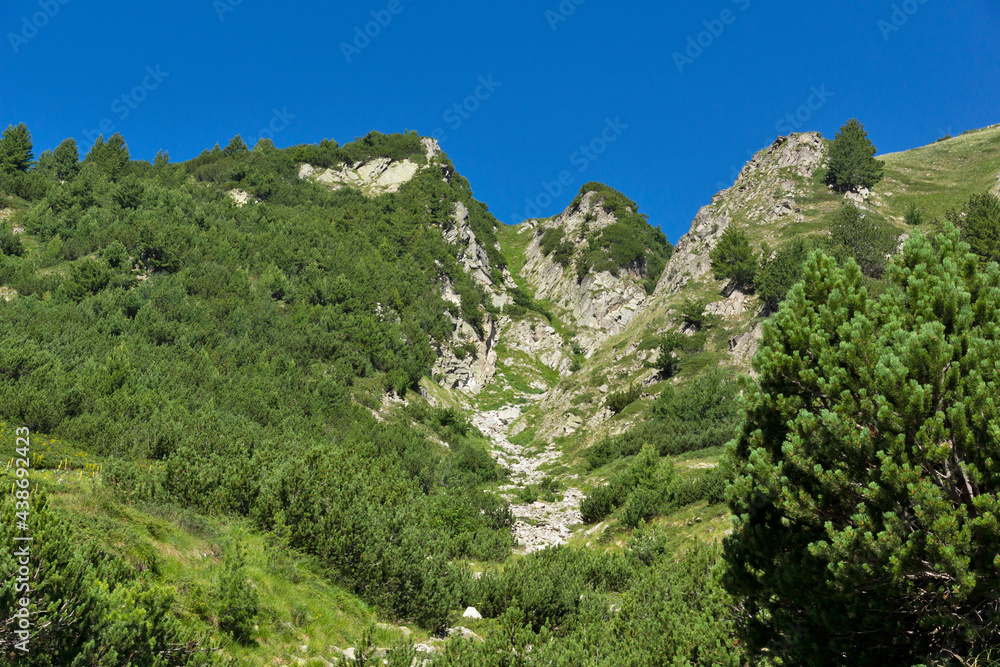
802	153
733	306
241	198
470	362
540	341
691	258
766	187
431	148
753	197
475	259
744	346
602	304
375	177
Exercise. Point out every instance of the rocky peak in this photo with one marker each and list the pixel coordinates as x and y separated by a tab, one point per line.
600	304
802	152
764	192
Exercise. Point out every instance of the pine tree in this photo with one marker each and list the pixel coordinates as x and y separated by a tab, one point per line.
734	259
15	149
864	236
852	160
866	492
778	275
236	145
980	224
87	607
238	602
111	156
65	161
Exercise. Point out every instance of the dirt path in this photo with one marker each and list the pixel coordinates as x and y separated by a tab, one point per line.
540	524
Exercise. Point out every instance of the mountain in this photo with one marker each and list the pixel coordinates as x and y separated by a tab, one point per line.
318	398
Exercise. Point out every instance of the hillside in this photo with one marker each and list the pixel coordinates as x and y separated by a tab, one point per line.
297	401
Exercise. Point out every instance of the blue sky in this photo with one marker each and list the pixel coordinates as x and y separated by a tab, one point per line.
664	101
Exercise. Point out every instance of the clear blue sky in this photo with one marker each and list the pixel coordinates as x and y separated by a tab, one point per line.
910	71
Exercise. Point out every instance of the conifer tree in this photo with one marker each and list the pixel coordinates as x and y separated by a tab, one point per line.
87	607
65	160
852	160
16	149
111	156
236	145
865	236
734	259
867	472
980	224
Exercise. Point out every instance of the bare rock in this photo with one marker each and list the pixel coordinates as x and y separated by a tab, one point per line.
539	340
734	305
475	259
691	258
744	346
375	177
241	198
602	304
474	370
465	633
471	612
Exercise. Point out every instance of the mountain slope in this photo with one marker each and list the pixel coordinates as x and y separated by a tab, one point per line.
233	347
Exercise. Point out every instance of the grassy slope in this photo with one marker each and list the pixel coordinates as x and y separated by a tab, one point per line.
942	175
299	605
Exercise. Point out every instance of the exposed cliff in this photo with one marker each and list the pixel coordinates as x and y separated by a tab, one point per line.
599	303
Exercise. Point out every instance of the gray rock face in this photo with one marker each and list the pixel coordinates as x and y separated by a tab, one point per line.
734	305
601	305
538	340
471	373
691	258
802	152
475	259
744	346
753	195
374	177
